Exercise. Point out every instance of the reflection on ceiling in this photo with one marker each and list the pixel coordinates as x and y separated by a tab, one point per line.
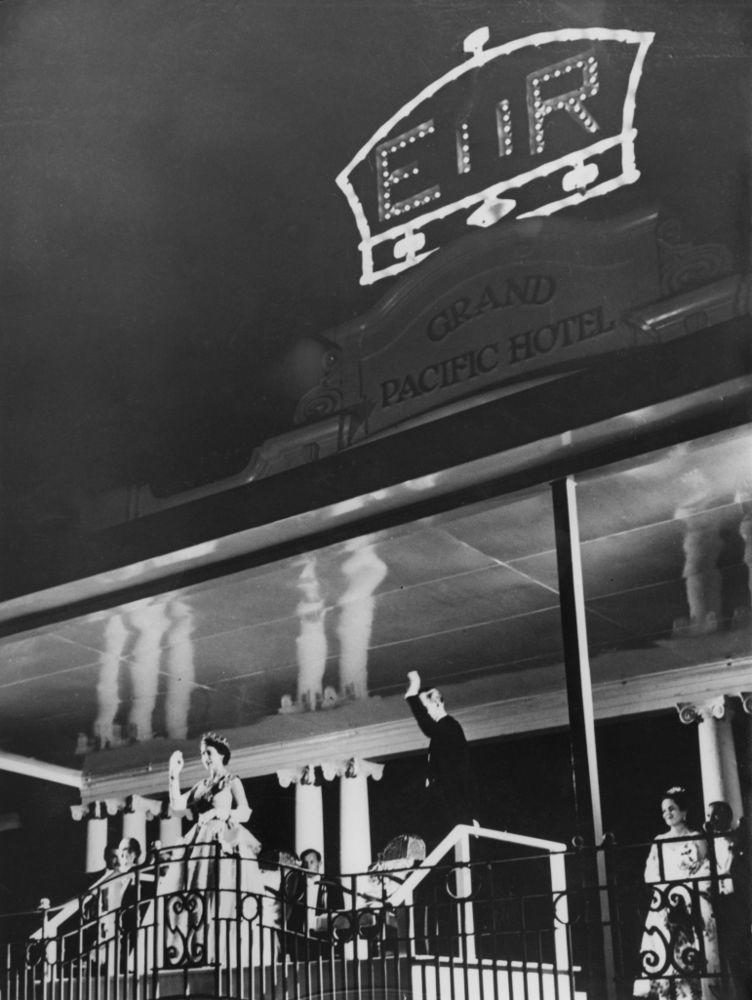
667	560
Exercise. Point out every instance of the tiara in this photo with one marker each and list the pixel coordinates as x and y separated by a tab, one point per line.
216	738
676	789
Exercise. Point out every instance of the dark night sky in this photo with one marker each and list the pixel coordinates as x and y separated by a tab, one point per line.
172	228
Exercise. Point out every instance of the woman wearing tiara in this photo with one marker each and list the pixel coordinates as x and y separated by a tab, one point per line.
218	853
679	948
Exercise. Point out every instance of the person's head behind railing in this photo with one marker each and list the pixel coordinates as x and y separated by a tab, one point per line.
719	817
128	853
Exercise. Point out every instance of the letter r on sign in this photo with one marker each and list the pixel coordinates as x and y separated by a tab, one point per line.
539	108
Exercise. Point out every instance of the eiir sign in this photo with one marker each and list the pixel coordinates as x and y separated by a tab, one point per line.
522	129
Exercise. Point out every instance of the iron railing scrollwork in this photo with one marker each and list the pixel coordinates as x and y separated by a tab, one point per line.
185	928
472	930
676	939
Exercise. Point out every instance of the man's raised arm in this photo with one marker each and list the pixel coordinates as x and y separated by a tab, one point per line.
412	697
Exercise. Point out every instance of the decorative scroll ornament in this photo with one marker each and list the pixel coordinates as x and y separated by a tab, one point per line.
35	953
717	707
364	923
684	266
672	948
351	767
746	699
690	712
185	930
316	404
324	399
250	907
305	775
687	713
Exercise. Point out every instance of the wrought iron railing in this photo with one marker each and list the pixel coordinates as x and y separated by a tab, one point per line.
503	917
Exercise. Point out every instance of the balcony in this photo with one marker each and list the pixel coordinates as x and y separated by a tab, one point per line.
485	915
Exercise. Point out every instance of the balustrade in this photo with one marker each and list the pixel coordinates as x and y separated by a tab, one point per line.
486	915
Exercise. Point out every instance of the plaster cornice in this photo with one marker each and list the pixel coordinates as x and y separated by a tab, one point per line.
393	730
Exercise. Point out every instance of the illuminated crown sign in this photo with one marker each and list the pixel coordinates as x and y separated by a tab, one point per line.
526	128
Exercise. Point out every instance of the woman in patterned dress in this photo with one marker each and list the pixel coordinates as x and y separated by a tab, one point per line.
679	948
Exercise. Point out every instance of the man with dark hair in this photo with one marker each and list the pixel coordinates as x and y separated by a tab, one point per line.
132	888
450	781
324	895
310	900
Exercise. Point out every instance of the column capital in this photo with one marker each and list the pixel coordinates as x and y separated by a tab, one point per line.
304	775
338	767
137	803
700	711
98	809
352	767
746	699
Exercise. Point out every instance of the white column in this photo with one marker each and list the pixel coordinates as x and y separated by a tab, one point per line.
309	818
355	814
309	808
94	815
96	838
746	699
718	764
134	825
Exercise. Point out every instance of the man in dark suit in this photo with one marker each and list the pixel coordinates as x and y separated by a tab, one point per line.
450	781
324	895
310	896
137	889
293	901
731	900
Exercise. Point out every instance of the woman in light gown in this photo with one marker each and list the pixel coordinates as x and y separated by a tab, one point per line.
679	947
215	866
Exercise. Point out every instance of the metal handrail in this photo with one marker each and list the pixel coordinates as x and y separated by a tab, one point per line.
63	911
455	837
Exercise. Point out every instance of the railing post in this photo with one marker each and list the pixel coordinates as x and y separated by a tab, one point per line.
238	931
44	905
464	882
155	921
556	861
714	892
217	930
135	925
